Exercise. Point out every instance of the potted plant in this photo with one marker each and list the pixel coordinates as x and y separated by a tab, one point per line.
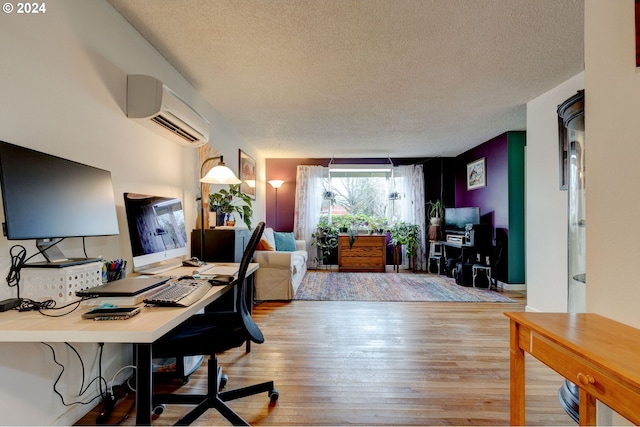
436	212
231	202
326	239
407	235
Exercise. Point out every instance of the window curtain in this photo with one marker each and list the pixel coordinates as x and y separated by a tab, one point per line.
410	184
307	206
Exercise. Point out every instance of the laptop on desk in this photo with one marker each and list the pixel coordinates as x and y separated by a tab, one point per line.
127	287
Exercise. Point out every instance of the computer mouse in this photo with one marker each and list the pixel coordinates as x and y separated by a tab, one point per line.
222	278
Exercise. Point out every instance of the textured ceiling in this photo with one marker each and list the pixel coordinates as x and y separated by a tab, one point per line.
367	78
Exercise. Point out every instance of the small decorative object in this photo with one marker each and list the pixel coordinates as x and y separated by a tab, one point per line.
247	174
476	174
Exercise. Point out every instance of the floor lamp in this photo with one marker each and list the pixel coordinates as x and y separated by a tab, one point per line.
219	174
276	183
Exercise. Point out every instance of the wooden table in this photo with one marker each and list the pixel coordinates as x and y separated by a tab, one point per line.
599	355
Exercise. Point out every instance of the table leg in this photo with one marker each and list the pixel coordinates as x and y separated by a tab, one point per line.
517	382
144	383
587	408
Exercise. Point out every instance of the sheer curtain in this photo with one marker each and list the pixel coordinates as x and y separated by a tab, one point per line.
410	184
307	207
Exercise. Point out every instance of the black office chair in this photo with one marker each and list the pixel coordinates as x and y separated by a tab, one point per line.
211	333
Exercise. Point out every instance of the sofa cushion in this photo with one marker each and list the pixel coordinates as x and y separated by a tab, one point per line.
285	242
268	241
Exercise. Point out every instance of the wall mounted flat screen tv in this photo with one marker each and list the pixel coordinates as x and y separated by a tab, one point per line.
157	232
455	219
46	198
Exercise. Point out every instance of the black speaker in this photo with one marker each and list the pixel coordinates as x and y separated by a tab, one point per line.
450	266
481	279
478	235
435	265
462	274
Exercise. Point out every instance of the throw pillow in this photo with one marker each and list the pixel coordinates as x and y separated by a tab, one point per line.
268	241
285	241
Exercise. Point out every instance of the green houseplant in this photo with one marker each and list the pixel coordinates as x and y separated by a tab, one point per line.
326	239
435	211
407	235
231	202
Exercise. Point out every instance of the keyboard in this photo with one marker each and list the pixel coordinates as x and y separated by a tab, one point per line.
179	293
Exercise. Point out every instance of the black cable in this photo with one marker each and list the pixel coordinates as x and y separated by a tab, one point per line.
84	247
98	378
18	260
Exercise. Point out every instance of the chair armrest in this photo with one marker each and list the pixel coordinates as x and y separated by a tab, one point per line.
301	245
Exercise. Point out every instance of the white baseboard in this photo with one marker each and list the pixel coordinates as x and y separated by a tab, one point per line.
512	286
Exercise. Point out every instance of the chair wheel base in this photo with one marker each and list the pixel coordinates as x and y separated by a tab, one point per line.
274	394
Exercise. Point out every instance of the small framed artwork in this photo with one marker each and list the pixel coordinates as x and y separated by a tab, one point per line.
247	174
477	174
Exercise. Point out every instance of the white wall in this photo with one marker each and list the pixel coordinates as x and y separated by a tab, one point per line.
546	206
612	113
63	91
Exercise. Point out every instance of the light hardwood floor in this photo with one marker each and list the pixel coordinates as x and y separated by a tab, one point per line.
381	363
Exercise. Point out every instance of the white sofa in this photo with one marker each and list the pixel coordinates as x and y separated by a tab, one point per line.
280	272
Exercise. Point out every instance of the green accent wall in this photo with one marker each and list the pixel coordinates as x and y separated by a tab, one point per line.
516	142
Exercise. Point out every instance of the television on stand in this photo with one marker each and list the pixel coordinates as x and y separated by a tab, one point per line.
456	219
47	198
157	232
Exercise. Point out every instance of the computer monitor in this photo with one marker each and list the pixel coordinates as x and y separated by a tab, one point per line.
157	232
46	198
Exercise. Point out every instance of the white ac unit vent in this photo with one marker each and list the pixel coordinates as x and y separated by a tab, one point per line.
157	107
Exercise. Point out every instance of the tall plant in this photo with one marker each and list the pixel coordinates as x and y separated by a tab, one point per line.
407	235
325	238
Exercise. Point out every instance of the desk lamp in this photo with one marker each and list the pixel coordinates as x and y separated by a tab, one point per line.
219	174
276	183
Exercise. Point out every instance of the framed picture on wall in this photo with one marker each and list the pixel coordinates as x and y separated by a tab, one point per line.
476	174
247	174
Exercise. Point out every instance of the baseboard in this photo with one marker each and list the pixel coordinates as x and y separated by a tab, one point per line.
512	286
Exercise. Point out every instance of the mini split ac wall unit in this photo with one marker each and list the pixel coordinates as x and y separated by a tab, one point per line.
157	107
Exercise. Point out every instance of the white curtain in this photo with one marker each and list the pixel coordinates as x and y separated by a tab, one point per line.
410	185
307	207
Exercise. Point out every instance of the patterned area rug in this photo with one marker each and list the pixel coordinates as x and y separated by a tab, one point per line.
334	286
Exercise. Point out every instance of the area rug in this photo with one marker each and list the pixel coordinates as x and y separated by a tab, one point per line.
336	286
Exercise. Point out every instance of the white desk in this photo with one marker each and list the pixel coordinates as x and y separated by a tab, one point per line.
141	331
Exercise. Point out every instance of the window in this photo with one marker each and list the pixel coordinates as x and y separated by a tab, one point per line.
362	195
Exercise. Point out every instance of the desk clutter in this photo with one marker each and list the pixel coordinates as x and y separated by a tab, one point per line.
114	270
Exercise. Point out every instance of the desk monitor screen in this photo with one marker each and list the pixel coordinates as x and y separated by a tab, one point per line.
47	197
455	219
156	230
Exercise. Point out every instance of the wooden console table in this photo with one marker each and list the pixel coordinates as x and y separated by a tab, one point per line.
599	355
368	253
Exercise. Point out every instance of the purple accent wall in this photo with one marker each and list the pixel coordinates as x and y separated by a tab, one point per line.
493	200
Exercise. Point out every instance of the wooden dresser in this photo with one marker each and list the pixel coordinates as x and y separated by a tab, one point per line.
368	253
